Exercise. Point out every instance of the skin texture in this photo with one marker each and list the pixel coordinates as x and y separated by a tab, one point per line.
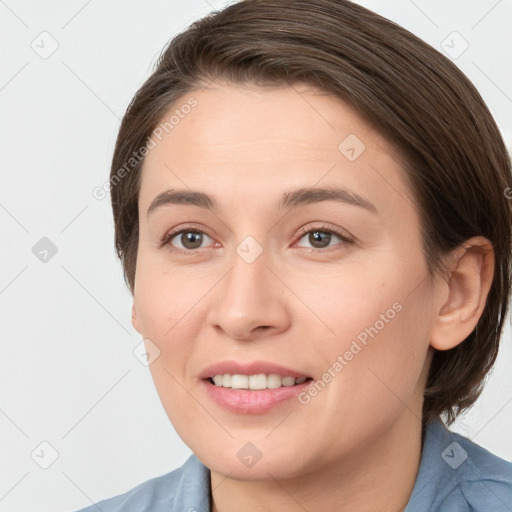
355	445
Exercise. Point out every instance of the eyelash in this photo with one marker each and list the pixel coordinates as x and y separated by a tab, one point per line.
325	228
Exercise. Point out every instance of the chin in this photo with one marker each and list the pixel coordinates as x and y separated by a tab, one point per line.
263	470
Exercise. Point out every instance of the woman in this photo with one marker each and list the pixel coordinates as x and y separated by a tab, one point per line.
311	209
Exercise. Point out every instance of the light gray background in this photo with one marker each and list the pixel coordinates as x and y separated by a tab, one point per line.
68	375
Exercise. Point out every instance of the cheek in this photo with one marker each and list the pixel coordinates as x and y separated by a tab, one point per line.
170	307
165	299
378	344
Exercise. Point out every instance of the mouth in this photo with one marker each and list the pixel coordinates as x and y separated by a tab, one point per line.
253	387
254	393
256	382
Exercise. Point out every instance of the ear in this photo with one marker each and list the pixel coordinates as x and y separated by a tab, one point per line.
464	293
135	319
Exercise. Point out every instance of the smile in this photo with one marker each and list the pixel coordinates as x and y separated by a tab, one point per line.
255	382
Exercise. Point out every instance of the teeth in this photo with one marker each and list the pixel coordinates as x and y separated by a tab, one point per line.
288	381
259	381
273	381
239	381
226	380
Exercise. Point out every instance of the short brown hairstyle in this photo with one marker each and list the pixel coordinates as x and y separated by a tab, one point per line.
450	148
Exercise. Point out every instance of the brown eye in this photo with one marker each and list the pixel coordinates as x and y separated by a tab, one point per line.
191	239
319	239
188	238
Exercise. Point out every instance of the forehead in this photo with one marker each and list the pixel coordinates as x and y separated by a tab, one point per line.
268	139
235	116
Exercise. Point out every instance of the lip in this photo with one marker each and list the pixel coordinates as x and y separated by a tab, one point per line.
247	401
252	368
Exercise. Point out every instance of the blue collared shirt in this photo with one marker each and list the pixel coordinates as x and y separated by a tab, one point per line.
455	475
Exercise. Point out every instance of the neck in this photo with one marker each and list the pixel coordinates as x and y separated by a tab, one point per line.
380	476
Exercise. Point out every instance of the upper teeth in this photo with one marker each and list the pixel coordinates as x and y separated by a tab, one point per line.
259	381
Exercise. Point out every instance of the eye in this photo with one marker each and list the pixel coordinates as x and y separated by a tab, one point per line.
188	240
321	237
185	240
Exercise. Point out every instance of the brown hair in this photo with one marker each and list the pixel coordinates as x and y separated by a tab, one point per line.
451	150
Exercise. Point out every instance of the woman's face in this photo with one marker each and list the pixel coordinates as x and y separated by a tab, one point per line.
305	262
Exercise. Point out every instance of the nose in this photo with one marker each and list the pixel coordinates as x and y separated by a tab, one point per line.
250	300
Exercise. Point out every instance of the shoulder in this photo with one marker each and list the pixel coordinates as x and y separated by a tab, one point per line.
481	479
459	475
186	488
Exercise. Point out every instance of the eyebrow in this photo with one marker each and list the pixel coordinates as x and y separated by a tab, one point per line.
292	199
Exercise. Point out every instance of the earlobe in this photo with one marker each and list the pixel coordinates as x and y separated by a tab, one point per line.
135	319
469	281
